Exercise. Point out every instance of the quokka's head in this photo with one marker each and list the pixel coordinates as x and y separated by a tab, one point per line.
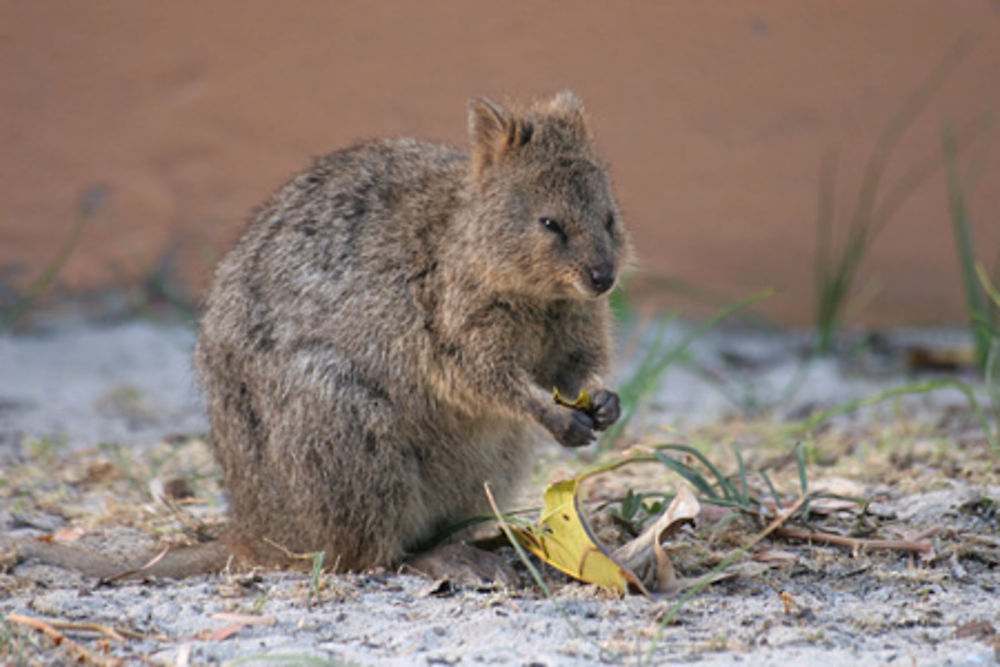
542	201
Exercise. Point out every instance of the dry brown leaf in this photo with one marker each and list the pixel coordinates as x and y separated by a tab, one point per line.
645	555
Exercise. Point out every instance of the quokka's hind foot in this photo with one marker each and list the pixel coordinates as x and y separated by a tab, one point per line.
464	565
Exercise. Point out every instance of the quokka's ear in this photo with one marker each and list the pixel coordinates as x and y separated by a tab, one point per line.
567	106
493	131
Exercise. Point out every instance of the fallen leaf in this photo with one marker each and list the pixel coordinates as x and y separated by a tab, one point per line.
582	401
645	554
436	588
563	539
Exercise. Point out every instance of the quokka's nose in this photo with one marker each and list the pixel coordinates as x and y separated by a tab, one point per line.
602	278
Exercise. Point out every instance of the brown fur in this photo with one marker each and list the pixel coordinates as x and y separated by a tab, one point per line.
390	326
386	334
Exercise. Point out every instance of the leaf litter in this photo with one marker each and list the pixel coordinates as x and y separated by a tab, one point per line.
857	535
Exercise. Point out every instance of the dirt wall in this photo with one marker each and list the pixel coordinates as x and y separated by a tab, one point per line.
715	118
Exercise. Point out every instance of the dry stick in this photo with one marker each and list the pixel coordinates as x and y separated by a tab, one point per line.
118	634
856	543
111	632
291	555
245	619
776	524
188	522
58	638
128	573
91	627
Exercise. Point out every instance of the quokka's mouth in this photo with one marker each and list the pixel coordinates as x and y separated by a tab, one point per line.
587	290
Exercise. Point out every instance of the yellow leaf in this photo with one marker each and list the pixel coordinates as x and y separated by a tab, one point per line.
582	401
563	539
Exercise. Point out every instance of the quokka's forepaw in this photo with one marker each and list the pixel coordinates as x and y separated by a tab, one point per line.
605	408
570	427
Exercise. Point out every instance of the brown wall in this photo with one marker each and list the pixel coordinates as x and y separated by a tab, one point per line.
714	115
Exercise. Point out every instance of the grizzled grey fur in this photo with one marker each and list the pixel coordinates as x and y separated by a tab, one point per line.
386	334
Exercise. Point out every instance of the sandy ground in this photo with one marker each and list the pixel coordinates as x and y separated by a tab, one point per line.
93	418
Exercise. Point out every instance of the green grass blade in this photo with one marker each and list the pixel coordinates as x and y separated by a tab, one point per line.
690	474
824	240
919	174
770	487
502	521
988	286
974	303
89	203
992	376
835	285
923	387
728	490
630	393
318	557
645	380
742	471
621	303
800	462
703	583
918	100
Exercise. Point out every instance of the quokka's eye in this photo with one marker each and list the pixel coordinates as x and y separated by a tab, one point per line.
552	226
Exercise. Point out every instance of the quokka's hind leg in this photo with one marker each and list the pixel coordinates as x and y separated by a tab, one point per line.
339	474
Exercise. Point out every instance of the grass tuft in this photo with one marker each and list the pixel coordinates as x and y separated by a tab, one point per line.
89	203
835	274
981	313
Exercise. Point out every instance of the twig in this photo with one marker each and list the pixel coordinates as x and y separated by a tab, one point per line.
776	523
189	523
117	634
245	619
48	629
128	573
291	555
856	543
92	627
